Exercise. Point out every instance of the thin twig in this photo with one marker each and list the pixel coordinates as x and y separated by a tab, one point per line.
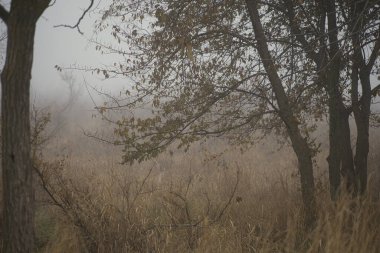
79	20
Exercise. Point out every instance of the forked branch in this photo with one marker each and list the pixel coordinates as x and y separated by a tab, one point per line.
76	26
4	14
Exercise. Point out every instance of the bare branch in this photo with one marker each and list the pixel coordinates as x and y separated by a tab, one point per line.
375	90
300	36
374	93
4	14
45	186
231	196
80	19
375	53
52	3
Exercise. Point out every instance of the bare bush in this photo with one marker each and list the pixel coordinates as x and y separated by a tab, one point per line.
124	212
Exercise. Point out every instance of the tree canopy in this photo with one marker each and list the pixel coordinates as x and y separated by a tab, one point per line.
194	64
243	69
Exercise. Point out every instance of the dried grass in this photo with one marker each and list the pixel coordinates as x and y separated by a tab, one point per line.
188	203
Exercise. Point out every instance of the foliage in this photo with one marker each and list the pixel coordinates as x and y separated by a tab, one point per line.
194	66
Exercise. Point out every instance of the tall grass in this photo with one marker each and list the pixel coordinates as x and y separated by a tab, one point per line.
207	200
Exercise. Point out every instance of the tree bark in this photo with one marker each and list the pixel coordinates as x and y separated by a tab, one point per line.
334	101
347	166
340	154
328	61
18	192
340	159
362	140
299	144
361	108
334	158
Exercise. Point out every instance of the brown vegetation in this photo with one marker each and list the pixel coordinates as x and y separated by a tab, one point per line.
177	203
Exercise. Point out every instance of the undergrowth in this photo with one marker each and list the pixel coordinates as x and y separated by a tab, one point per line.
183	204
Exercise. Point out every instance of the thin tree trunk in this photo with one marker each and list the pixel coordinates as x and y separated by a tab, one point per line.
299	144
340	153
362	139
328	61
361	156
348	168
335	156
361	108
18	192
332	88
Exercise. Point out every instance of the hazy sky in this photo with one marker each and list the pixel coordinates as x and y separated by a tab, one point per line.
64	47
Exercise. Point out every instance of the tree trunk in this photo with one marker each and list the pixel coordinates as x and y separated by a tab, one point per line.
361	108
348	168
299	144
332	88
328	61
340	154
335	156
362	139
361	156
18	192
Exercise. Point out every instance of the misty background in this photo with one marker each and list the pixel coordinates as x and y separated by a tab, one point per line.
70	95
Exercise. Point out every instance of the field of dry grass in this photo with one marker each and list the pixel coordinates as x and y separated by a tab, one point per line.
213	198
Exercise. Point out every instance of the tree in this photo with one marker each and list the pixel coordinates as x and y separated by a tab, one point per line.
342	39
365	27
194	64
17	169
299	143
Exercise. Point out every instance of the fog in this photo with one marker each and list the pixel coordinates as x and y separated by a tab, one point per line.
65	93
66	48
215	197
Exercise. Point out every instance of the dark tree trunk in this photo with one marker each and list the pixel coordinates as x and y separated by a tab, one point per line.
16	163
340	154
334	102
361	107
335	156
362	140
328	61
18	193
361	156
348	168
341	163
299	144
340	160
